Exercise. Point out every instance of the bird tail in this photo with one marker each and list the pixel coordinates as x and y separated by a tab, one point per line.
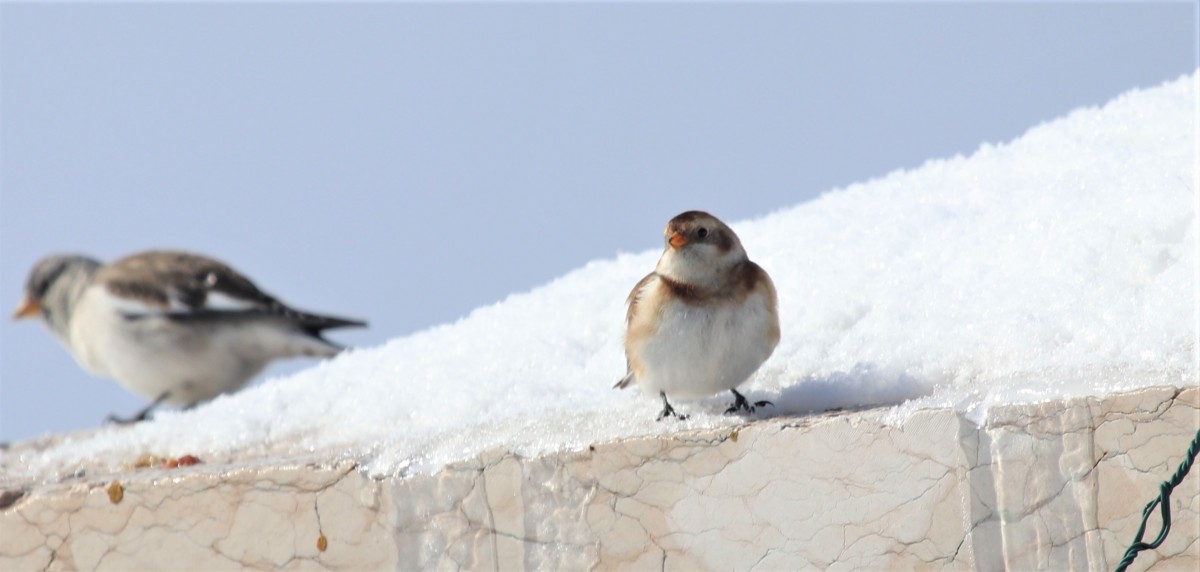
624	381
314	324
317	324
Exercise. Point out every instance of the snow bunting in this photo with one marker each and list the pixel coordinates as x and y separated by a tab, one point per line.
704	320
173	327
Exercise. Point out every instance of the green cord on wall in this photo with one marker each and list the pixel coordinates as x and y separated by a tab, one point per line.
1163	501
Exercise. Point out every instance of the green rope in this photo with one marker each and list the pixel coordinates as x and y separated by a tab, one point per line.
1164	501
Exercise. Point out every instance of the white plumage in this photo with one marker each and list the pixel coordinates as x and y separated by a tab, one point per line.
705	319
172	327
699	351
151	354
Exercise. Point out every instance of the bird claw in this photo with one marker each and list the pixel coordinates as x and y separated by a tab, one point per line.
115	420
740	403
669	411
140	415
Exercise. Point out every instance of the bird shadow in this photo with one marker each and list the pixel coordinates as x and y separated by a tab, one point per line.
864	386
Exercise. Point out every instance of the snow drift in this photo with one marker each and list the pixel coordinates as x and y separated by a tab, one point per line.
1060	264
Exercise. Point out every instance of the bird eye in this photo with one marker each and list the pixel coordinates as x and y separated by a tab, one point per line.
703	232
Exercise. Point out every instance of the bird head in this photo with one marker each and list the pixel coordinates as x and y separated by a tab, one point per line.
699	249
52	287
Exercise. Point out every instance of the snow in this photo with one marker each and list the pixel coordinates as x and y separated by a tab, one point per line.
1061	264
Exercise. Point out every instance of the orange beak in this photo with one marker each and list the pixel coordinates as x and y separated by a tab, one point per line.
27	308
677	240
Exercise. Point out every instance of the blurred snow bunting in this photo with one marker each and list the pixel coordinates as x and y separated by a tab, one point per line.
172	327
703	321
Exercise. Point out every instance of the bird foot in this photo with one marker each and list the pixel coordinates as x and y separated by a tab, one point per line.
741	403
669	411
116	420
140	415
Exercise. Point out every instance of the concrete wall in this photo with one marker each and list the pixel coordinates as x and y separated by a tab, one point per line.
1058	485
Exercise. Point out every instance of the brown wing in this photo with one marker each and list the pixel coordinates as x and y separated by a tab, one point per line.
631	306
632	300
180	283
752	278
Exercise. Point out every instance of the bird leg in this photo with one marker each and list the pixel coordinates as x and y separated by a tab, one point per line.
140	415
741	403
668	411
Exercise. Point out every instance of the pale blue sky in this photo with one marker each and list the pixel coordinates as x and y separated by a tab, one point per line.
407	163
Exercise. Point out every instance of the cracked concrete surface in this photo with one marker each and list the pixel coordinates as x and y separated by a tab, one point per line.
1057	485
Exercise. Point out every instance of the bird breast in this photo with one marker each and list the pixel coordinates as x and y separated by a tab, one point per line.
691	351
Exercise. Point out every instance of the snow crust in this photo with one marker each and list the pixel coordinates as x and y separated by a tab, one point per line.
1061	264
